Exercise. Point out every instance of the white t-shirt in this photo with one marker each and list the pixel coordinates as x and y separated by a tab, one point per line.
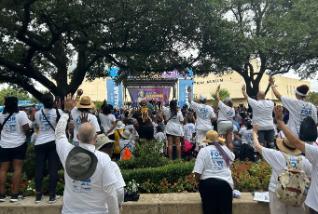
262	113
174	126
278	163
46	133
204	115
76	115
160	137
12	134
119	177
107	122
298	111
210	164
189	130
226	113
246	136
311	153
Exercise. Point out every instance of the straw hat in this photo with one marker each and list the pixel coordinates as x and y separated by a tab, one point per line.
85	102
212	137
285	146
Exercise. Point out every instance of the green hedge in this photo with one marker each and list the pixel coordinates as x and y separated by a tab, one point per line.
172	172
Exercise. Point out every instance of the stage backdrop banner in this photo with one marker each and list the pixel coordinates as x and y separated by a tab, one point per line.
139	93
183	91
114	93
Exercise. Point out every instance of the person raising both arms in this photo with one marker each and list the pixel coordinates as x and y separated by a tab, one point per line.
205	115
226	114
311	153
263	117
298	108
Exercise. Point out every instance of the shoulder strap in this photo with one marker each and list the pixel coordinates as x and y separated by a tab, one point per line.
4	122
58	115
100	123
50	124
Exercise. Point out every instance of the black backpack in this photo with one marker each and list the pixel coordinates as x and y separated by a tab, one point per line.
308	130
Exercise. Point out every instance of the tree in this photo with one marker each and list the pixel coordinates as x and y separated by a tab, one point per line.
13	91
280	34
59	43
223	95
313	98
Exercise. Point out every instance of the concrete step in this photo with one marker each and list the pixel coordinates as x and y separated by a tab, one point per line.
172	203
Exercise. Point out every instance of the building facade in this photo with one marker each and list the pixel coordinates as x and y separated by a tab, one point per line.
206	86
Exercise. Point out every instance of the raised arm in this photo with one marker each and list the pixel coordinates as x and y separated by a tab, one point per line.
274	88
244	92
257	145
217	94
289	135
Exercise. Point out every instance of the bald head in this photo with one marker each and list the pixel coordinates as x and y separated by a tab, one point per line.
261	95
87	133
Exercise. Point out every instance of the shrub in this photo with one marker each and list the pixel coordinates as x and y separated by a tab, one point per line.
177	177
147	154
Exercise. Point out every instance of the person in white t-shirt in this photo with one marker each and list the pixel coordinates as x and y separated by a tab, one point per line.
205	115
107	120
90	182
278	161
226	114
212	170
262	116
174	128
104	144
82	109
45	149
189	128
15	124
311	153
161	137
298	108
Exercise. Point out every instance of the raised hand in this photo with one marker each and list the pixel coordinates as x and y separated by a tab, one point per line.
84	117
69	103
279	115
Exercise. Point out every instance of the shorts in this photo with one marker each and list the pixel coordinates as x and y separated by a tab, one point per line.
224	126
266	138
10	154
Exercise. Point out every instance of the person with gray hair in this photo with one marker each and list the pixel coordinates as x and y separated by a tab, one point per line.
90	184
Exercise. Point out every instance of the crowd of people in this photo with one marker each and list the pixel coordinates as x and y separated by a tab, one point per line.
87	142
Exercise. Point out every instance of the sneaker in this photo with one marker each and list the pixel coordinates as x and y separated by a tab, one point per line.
14	198
2	197
38	198
52	199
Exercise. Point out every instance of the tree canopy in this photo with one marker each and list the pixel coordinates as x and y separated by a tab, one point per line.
13	91
58	44
280	34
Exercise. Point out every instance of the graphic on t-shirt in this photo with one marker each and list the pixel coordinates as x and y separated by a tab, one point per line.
217	159
45	125
82	186
293	162
305	111
11	124
203	113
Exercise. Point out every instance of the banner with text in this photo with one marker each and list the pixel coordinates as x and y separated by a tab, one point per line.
114	93
184	85
139	93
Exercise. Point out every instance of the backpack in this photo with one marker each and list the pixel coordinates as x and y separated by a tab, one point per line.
293	184
308	130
